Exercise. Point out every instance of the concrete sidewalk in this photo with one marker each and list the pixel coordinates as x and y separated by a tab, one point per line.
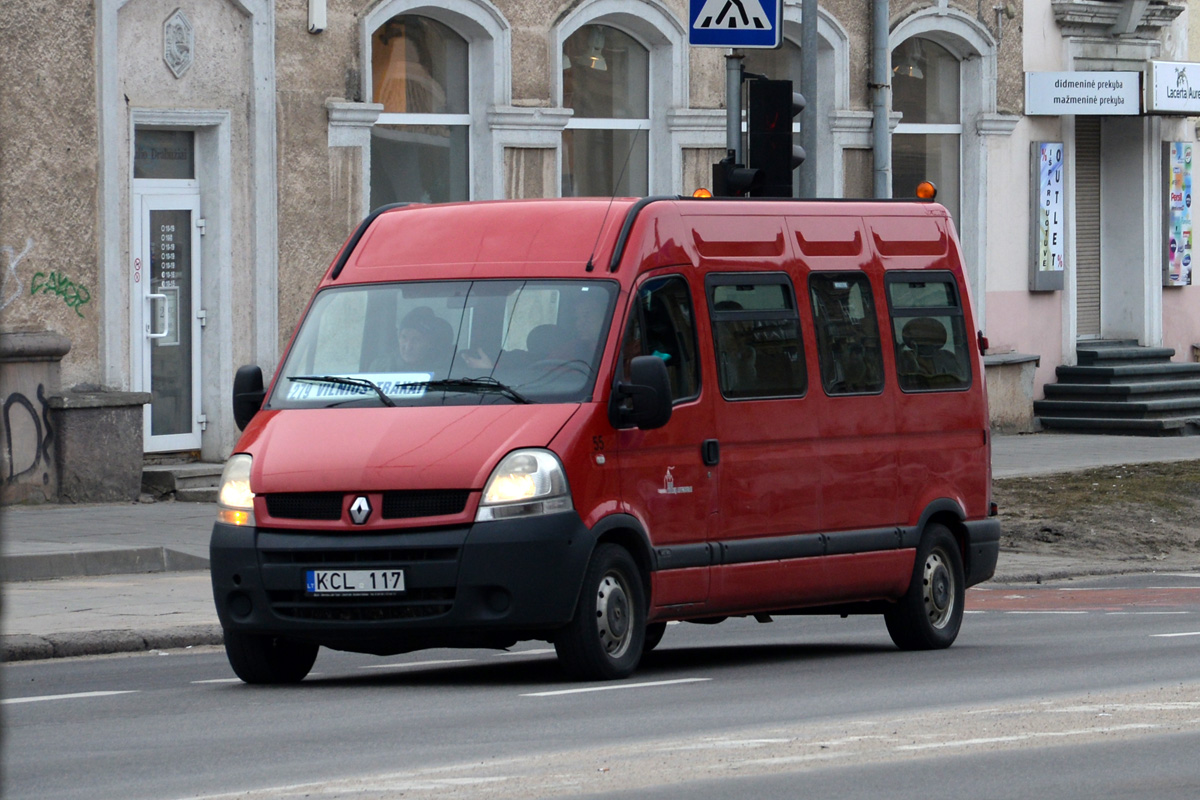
82	580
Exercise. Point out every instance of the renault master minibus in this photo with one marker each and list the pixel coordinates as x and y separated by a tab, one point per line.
575	420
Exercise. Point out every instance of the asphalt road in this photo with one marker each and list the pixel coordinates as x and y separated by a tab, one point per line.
1080	689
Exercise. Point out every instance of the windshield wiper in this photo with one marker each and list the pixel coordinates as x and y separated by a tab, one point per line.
340	381
482	385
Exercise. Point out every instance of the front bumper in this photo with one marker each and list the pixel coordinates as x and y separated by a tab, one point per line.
486	584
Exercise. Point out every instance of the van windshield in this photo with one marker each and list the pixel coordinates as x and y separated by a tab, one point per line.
448	343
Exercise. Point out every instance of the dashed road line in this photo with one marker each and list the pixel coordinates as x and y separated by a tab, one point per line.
615	687
76	696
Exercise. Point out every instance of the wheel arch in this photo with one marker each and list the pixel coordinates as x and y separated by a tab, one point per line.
626	531
949	513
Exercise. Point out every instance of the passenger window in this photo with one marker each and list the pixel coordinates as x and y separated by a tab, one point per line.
662	324
848	344
932	349
756	332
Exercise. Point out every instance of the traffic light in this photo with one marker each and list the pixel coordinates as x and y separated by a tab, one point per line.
772	148
735	180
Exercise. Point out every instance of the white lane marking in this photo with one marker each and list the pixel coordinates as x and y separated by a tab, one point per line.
219	680
77	696
1045	612
417	663
539	652
1173	635
1145	613
614	687
1024	737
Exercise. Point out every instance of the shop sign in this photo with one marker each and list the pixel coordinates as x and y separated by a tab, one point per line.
1173	87
1178	160
1097	94
1049	205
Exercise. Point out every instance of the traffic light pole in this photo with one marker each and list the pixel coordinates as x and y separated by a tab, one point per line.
733	106
808	88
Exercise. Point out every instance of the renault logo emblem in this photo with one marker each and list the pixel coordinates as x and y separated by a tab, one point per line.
360	510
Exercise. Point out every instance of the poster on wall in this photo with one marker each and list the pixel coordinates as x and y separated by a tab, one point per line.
1049	242
1178	213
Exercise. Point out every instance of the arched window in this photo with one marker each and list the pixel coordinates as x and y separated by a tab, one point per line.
606	81
927	144
420	146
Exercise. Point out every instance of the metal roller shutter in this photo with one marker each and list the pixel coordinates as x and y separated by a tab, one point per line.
1087	227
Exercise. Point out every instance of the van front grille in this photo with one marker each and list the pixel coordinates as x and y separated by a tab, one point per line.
305	505
348	557
413	604
408	504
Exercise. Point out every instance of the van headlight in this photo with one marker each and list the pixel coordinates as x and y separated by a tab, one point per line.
526	483
235	502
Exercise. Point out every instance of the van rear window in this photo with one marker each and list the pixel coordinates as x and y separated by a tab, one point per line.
929	332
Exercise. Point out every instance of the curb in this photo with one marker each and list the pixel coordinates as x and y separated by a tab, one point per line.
94	563
30	647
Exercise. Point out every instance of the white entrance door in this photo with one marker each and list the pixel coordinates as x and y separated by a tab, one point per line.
166	316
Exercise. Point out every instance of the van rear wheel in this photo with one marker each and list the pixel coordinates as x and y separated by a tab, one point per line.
604	640
256	658
929	614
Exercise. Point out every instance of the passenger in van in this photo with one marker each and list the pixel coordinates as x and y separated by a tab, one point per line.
923	358
575	341
422	343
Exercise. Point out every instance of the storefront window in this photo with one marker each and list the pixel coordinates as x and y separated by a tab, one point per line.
927	143
606	81
420	146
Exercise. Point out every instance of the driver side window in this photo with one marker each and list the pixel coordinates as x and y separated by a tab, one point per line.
662	324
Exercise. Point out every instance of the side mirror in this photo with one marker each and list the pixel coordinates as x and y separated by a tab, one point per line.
248	394
648	393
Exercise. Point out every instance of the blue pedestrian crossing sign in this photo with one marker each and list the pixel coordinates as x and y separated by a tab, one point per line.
735	23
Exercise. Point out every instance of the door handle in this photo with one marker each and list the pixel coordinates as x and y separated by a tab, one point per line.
150	334
711	451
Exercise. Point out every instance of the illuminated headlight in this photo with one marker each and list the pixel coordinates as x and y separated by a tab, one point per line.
235	503
526	483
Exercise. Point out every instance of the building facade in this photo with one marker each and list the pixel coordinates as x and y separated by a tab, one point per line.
176	174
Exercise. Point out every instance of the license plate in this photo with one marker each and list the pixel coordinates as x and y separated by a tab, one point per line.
340	582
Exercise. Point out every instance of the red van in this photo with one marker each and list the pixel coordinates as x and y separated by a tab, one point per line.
575	420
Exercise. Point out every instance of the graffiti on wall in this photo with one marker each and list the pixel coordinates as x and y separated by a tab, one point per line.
23	462
73	294
10	290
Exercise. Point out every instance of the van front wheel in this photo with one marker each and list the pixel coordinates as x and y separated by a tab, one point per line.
604	641
929	614
256	658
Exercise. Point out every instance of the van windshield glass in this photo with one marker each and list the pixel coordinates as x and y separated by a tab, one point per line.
448	343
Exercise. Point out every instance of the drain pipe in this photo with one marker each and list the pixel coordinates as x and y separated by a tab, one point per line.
880	88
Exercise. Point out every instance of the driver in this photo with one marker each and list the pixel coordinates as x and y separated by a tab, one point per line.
422	340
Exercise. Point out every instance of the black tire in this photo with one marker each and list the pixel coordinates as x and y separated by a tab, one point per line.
604	641
654	635
930	613
268	659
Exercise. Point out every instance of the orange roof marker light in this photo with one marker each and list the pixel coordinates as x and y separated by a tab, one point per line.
702	192
926	190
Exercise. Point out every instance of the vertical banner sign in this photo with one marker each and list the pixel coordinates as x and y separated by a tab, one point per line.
1178	213
1049	241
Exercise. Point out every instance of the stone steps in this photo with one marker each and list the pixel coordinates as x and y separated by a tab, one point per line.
188	482
1120	388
